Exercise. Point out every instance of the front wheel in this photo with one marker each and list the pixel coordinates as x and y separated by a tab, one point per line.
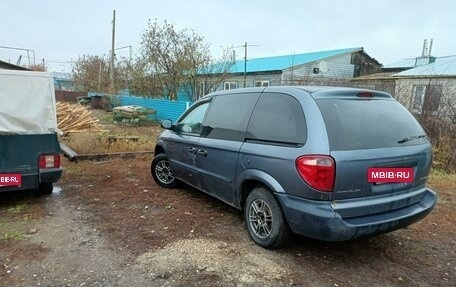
161	171
264	219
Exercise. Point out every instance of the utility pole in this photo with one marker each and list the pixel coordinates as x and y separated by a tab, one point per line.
99	76
245	59
112	50
245	64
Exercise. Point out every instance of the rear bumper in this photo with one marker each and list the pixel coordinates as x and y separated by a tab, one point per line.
321	219
50	175
32	181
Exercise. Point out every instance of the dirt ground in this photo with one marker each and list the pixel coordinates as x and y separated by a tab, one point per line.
108	224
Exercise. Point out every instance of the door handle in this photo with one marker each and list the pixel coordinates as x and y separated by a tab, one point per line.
202	152
191	150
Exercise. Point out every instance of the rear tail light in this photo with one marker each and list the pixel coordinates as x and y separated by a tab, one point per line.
366	95
49	161
318	171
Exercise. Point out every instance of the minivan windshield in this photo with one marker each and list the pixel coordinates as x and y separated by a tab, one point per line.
365	124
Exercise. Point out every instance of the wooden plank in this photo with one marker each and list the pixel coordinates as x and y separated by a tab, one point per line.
116	154
71	154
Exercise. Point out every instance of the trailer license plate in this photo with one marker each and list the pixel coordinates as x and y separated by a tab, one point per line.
10	179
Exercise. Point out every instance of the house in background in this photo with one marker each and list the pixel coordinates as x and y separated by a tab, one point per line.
63	81
299	69
424	84
429	88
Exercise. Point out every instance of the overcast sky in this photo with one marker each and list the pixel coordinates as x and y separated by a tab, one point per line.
60	31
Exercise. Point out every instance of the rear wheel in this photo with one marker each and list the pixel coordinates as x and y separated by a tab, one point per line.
264	219
161	171
45	188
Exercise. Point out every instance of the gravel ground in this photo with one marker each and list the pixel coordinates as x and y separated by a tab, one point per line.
108	224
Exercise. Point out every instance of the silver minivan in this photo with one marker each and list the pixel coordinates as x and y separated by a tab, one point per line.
325	162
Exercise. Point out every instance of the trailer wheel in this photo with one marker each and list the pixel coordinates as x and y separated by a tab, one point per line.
45	188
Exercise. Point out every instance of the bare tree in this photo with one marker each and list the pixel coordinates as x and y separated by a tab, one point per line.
209	75
172	55
91	73
143	82
38	67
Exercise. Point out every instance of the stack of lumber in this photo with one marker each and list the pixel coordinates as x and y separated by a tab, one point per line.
72	118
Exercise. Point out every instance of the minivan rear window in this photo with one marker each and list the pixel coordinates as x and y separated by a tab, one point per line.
365	124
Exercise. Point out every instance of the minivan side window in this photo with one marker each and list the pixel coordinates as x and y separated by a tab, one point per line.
277	118
191	123
228	116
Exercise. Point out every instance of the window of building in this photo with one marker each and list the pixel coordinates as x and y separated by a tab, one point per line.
261	83
426	98
418	97
230	85
432	98
206	88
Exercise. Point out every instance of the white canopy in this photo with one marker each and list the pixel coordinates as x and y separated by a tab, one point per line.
27	102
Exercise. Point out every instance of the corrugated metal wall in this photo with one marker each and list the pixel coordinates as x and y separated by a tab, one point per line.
165	109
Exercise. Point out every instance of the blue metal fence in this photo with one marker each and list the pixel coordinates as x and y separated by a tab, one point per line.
165	109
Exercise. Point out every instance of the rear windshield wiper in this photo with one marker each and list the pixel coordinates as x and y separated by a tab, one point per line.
410	138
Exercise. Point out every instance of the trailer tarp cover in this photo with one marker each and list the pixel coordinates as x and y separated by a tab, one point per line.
27	102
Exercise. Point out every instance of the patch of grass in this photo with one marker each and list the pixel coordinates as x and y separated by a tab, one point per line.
442	175
114	137
442	178
103	116
13	234
18	208
90	143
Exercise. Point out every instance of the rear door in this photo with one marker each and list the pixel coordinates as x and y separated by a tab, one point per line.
374	132
222	137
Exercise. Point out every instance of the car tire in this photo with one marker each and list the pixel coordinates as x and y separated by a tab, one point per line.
161	172
264	219
45	188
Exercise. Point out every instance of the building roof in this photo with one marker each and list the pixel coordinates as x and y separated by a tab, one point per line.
280	63
443	66
404	63
9	66
377	76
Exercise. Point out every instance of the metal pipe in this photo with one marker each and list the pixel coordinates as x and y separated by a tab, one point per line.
430	47
22	49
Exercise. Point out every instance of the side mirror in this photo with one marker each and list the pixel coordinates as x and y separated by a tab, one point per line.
167	124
